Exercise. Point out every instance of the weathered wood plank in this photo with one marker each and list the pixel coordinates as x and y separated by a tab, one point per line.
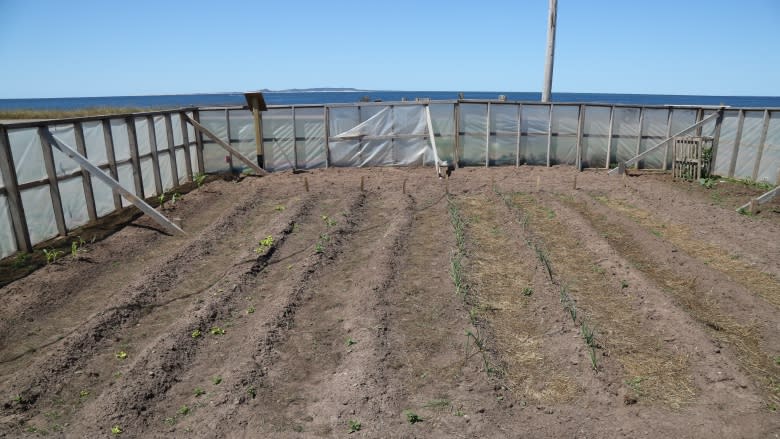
14	197
54	187
86	181
225	145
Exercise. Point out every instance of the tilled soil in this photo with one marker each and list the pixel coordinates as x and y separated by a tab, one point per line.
502	302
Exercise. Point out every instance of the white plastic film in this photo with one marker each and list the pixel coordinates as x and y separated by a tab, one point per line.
147	177
74	205
377	124
279	141
536	119
654	131
375	153
595	137
27	154
121	142
626	122
503	150
409	120
769	168
142	136
181	165
95	142
682	118
565	119
166	176
104	197
748	145
160	133
563	150
474	125
7	239
310	126
125	173
39	213
63	164
533	149
726	141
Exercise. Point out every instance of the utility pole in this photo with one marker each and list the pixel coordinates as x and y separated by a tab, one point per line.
548	66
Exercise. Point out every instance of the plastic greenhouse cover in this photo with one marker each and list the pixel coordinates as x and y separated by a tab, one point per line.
536	120
181	166
160	133
147	177
563	150
770	159
748	145
7	239
682	118
596	121
120	139
594	152
142	136
39	213
503	120
376	125
125	173
62	163
95	143
473	120
27	154
654	124
565	119
74	205
443	119
503	150
625	122
726	141
104	197
533	149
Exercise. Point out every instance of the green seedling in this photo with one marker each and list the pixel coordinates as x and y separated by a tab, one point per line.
175	197
195	334
18	399
527	291
200	178
216	380
161	200
184	410
354	425
250	310
279	208
121	355
116	430
199	392
21	259
216	330
623	284
52	255
588	334
350	341
592	355
265	244
251	392
83	394
319	248
324	237
777	360
170	420
412	417
438	403
330	222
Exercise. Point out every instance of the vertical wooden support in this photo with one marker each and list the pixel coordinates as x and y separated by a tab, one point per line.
171	149
11	183
761	143
519	133
456	154
86	180
185	137
639	134
259	137
580	129
487	137
326	121
294	139
155	157
199	143
669	116
549	135
609	136
109	141
715	140
699	116
737	141
136	161
54	188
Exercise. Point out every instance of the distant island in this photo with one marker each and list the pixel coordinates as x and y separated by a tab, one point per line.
316	89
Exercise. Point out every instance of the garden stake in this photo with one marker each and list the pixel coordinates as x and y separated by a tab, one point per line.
306	183
404	187
361	183
574	185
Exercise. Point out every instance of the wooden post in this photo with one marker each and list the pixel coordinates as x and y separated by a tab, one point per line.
538	182
519	133
155	158
639	134
326	121
487	137
296	165
548	65
109	141
198	142
306	184
86	180
54	188
98	173
185	136
201	129
754	206
171	149
580	129
669	115
761	143
574	184
403	188
737	141
609	135
456	154
227	133
132	140
715	140
11	183
361	183
549	132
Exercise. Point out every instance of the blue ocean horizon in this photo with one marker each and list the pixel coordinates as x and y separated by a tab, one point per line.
299	97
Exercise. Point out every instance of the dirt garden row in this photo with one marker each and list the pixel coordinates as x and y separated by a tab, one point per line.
501	302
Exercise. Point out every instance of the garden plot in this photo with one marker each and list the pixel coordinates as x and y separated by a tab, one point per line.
384	302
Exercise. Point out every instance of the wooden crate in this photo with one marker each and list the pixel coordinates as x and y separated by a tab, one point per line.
691	157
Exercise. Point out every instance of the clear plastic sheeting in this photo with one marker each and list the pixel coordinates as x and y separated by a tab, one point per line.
749	143
74	204
473	126
625	131
595	132
7	240
563	144
504	133
27	154
242	136
769	167
120	139
310	137
64	165
726	142
654	131
39	213
94	138
279	140
214	156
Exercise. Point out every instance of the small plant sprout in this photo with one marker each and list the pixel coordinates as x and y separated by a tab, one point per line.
195	334
216	380
251	392
20	260
350	341
121	355
200	178
588	334
161	200
319	248
184	410
412	417
83	393
116	430
250	310
330	222
354	425
216	330
52	255
18	398
175	197
527	291
265	244
279	208
623	284
199	392
592	355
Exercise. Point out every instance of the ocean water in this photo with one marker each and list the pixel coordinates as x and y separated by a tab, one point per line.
332	97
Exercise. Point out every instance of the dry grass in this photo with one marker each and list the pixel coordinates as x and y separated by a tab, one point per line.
498	271
743	337
60	114
761	283
641	354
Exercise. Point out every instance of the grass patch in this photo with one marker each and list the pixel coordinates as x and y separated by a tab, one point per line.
62	114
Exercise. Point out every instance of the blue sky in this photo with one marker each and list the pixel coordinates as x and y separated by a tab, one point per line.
102	48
